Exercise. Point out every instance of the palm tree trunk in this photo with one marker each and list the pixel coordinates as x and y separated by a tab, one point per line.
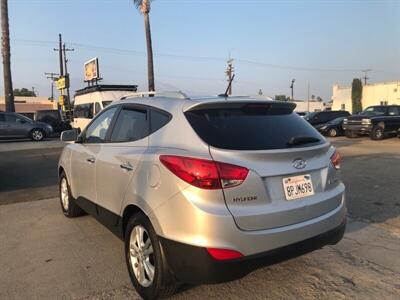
150	66
8	88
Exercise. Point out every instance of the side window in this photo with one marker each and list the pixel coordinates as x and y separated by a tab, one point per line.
393	111
97	108
11	119
2	117
83	111
158	120
97	130
131	125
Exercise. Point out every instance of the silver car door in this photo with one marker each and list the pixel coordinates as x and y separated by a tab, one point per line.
84	156
119	160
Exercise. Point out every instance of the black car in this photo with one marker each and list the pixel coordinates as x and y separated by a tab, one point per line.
376	121
321	117
53	118
332	128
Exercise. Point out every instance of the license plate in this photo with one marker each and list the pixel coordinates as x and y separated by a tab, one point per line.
298	187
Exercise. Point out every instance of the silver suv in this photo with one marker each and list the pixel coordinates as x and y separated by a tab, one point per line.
204	190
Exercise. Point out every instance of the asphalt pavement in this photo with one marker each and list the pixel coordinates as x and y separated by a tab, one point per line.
47	256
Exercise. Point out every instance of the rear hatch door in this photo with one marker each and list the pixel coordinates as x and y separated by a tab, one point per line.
281	151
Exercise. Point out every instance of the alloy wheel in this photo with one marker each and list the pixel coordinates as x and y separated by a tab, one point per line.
37	135
64	194
141	256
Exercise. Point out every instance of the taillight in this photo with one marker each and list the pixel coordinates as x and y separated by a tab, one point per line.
205	174
224	254
336	160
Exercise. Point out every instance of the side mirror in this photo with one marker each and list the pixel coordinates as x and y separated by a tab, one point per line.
69	136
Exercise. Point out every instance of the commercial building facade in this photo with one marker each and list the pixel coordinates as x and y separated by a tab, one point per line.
384	93
29	105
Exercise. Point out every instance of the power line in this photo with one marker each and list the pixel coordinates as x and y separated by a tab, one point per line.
43	43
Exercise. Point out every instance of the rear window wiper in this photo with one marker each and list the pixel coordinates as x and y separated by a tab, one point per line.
301	140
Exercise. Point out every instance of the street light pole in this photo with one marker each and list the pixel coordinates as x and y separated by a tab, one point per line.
291	86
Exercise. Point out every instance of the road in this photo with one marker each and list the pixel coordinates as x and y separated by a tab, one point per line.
47	256
28	170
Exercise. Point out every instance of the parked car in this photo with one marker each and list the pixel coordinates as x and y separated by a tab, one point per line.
204	191
321	117
13	125
332	128
376	121
53	118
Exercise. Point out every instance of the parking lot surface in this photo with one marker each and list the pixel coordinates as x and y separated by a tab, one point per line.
47	256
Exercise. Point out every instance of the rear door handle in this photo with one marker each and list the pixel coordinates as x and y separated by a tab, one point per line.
126	166
91	160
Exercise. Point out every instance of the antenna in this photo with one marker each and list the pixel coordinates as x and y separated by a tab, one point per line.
225	95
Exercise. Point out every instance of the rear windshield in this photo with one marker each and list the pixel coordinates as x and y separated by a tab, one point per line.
252	128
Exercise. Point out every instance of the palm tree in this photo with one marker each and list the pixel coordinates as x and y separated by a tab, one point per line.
5	36
144	7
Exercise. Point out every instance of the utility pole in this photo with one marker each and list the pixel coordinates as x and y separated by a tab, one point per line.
230	73
308	98
52	76
66	72
5	40
291	87
365	75
64	78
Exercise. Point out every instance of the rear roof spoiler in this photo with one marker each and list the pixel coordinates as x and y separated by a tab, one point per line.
241	104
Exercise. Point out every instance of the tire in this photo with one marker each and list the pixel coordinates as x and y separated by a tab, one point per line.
37	135
377	133
153	279
351	134
68	206
332	132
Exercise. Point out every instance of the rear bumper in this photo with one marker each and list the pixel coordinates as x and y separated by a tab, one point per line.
191	264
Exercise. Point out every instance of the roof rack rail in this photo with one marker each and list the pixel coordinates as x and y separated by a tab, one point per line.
167	94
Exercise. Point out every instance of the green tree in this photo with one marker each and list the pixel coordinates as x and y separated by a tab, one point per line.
24	92
5	37
144	7
356	95
281	98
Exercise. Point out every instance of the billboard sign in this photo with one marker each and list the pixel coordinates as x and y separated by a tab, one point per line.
92	69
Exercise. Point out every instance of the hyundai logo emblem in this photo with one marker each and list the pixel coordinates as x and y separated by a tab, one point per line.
299	163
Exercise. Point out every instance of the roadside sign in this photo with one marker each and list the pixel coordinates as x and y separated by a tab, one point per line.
61	100
62	83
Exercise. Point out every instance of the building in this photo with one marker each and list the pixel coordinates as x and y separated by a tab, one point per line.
309	106
383	93
29	105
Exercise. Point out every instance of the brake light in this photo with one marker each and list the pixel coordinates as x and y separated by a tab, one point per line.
336	160
224	254
205	174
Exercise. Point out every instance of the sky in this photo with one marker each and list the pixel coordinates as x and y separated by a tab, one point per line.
317	43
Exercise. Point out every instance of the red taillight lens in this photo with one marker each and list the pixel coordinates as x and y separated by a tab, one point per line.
224	254
205	174
336	160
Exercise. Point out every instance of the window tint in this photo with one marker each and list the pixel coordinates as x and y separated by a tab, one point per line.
374	111
131	125
97	130
83	111
250	128
2	118
158	120
393	111
97	108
